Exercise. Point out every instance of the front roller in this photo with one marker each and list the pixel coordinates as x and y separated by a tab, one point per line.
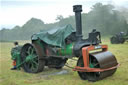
97	65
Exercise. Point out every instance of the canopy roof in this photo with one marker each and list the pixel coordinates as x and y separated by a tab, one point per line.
55	36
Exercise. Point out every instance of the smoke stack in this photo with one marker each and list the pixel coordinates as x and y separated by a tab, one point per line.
78	9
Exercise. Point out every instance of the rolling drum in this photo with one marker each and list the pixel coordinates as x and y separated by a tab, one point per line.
102	60
98	60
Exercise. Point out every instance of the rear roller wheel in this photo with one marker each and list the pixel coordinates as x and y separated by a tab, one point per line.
31	58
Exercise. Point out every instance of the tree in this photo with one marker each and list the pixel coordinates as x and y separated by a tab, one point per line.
106	19
59	18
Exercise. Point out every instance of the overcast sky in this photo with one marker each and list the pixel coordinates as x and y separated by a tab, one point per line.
18	12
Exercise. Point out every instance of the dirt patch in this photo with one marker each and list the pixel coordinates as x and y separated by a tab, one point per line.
1	79
57	72
46	76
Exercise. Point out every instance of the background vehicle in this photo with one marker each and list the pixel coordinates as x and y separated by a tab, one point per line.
119	38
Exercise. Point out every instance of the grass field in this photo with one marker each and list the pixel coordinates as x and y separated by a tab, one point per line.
19	77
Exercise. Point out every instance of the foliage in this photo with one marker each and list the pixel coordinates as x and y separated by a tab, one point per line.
106	19
59	17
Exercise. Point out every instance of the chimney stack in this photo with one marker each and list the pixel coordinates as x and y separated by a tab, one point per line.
78	9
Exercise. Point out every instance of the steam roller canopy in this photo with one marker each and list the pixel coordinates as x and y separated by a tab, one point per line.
102	60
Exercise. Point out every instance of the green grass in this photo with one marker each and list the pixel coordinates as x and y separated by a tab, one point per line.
19	77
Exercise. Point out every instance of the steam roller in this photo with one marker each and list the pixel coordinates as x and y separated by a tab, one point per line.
54	47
